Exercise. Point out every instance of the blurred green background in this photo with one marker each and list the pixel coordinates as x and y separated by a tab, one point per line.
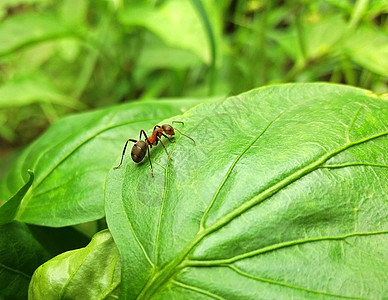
62	57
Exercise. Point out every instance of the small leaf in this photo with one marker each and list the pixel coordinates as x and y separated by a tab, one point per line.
71	160
25	29
318	37
92	272
9	209
20	255
28	90
175	16
283	196
368	47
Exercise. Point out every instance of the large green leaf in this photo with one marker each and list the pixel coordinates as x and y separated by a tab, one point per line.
70	162
92	272
285	195
20	255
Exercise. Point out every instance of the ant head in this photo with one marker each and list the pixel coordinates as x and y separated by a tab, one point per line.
157	128
167	128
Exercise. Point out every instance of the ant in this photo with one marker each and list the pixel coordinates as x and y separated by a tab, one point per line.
139	149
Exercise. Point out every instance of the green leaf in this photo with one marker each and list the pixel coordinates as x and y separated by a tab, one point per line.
71	160
319	37
368	47
283	196
28	90
158	56
9	209
20	255
92	272
25	29
174	16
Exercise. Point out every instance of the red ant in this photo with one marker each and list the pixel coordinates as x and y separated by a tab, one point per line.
139	149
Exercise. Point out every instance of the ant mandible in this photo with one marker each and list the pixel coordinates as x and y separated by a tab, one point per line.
139	149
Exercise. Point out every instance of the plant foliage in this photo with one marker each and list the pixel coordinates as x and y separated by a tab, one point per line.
282	195
283	182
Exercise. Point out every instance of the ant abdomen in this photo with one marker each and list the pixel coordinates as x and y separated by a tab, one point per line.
138	151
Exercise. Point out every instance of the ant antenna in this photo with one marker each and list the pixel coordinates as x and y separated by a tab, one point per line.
180	122
181	131
185	135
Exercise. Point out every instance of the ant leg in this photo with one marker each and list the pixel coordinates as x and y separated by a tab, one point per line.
125	147
167	138
146	137
160	140
149	158
185	135
142	132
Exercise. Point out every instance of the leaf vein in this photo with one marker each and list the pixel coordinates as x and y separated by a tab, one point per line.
227	175
162	207
135	236
10	269
350	127
352	164
240	272
277	247
197	290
